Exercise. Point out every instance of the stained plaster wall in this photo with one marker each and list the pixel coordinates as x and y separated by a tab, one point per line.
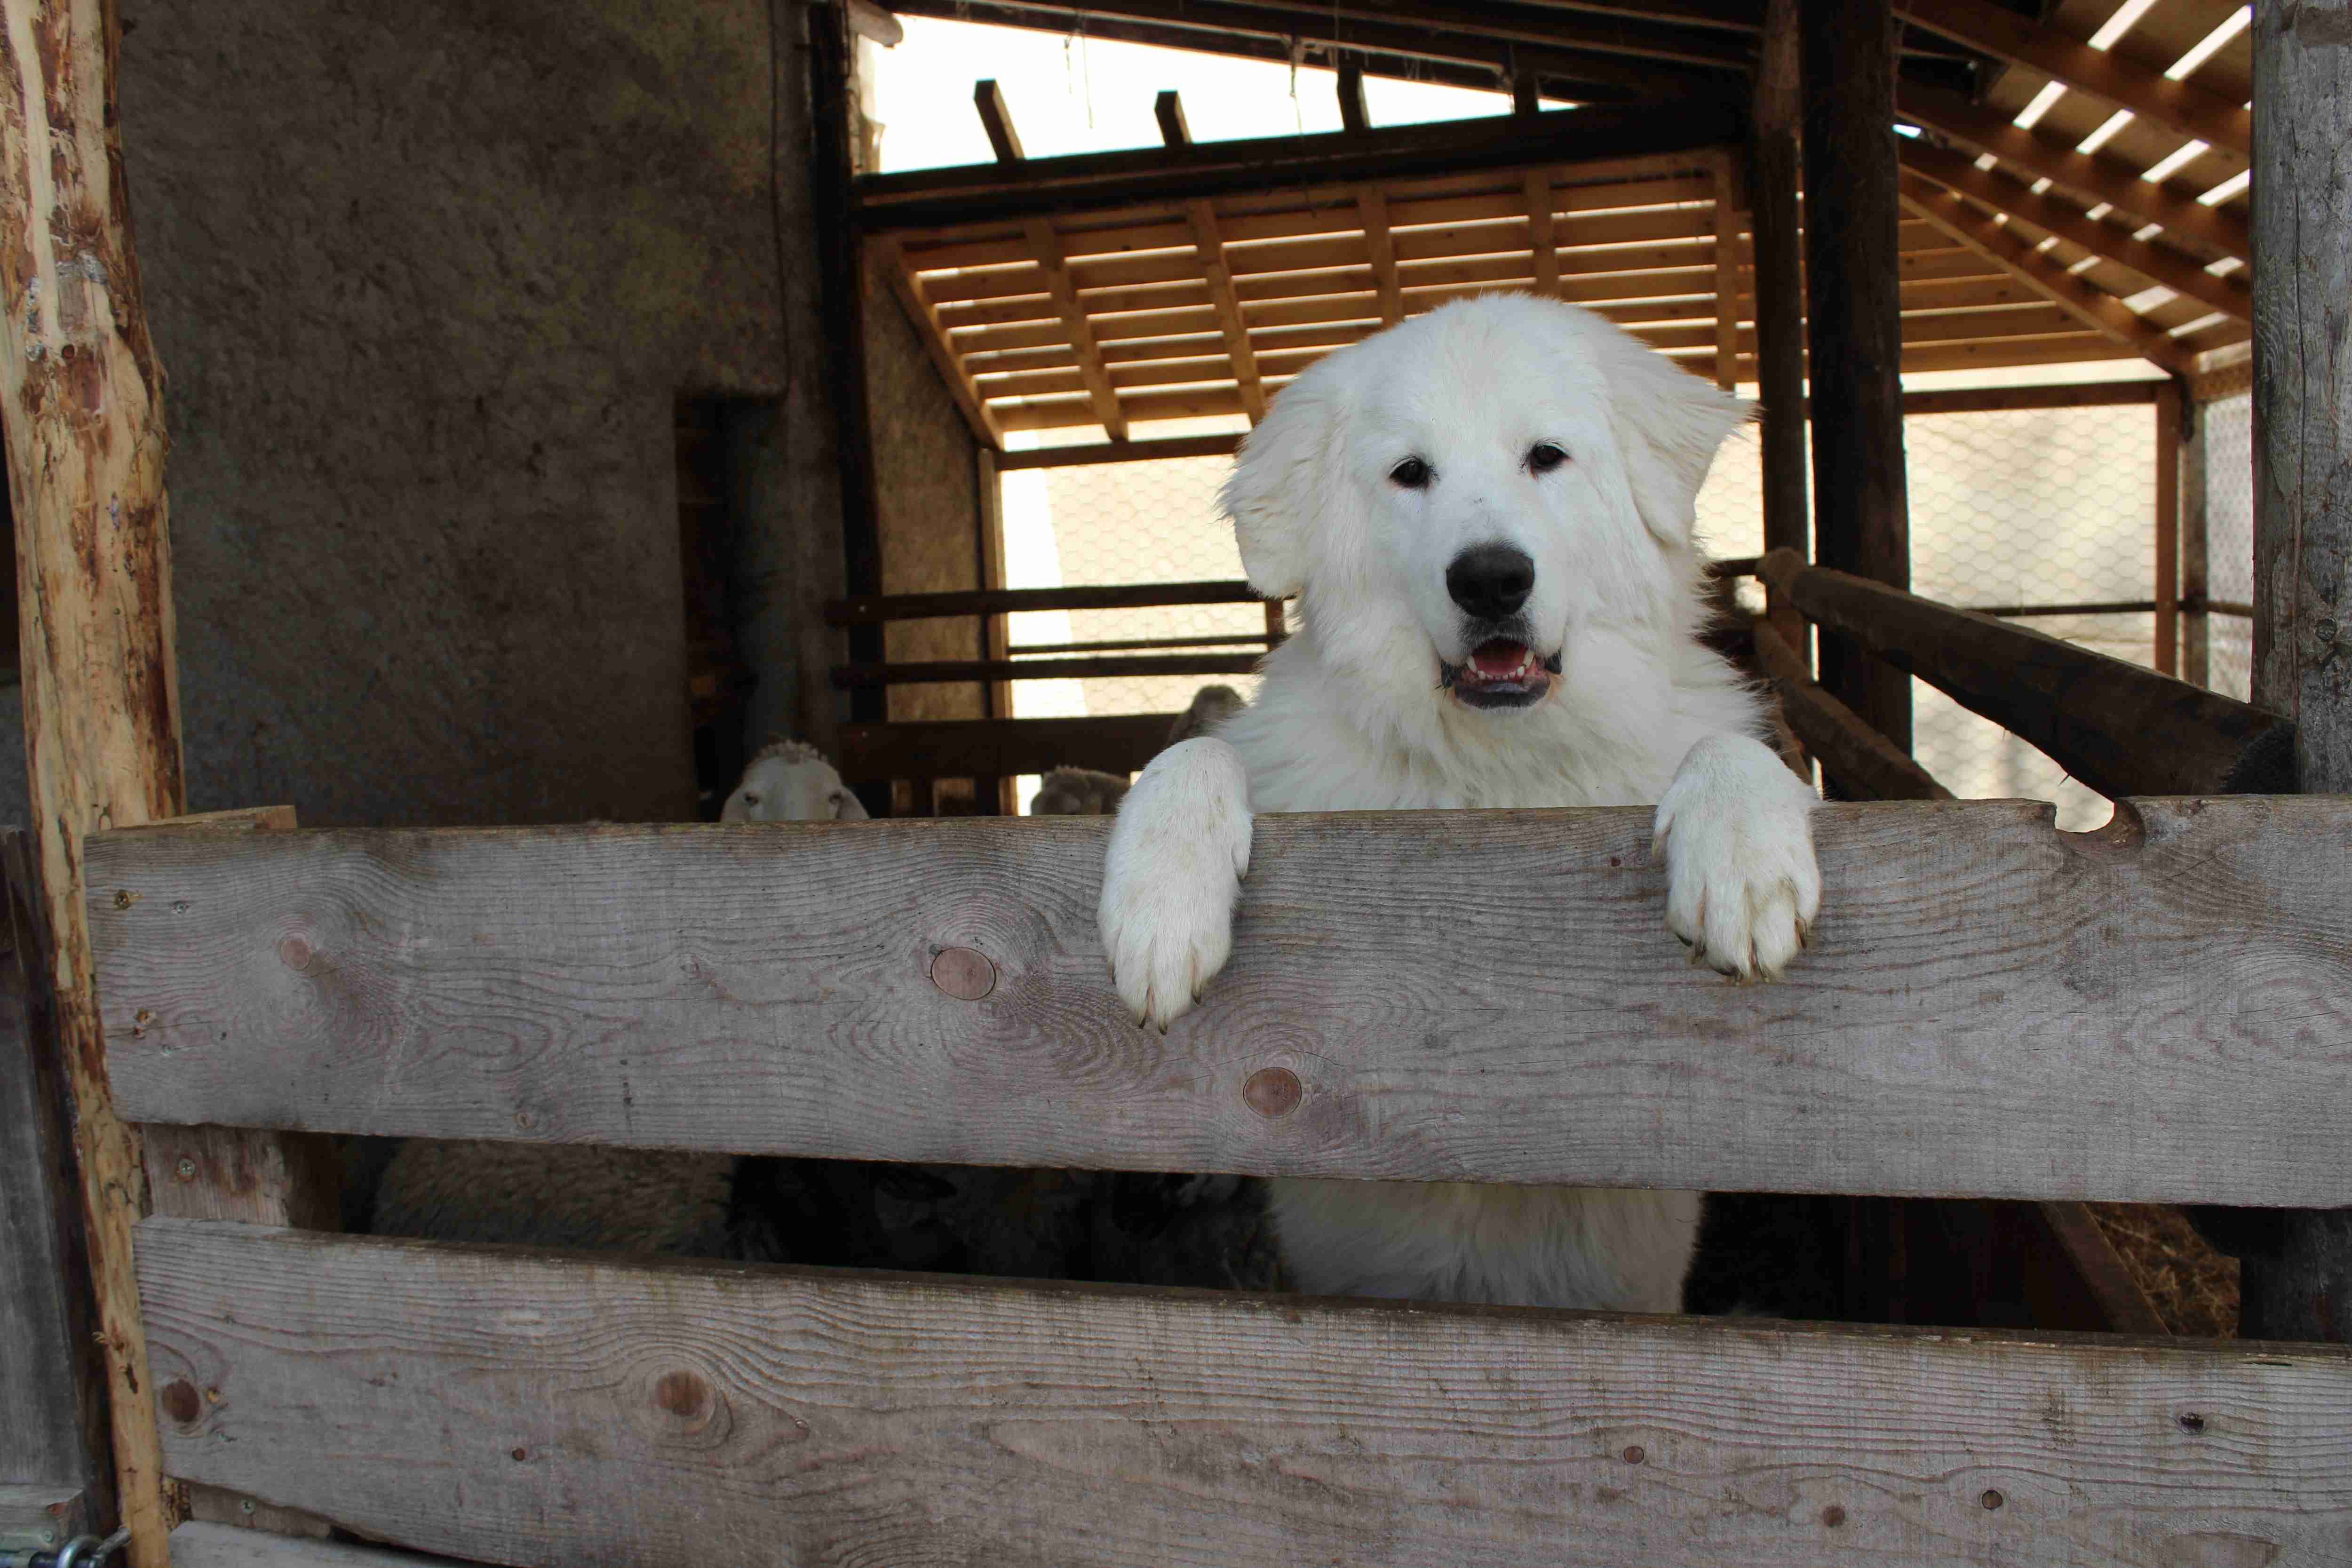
425	281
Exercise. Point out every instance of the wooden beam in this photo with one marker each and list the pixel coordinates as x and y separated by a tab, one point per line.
959	748
2119	727
55	1470
2195	579
1132	1428
1526	93
2167	416
1374	209
1727	273
924	317
1169	110
1543	244
1864	761
2182	107
2161	263
849	676
1047	246
1209	247
1776	177
869	609
1354	118
80	399
197	1544
2097	176
997	121
2301	1288
1219	445
2084	300
2004	984
1853	322
987	194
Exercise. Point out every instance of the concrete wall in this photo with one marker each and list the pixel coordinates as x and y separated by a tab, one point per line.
425	281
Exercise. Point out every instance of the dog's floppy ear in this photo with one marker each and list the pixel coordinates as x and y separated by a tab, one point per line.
1668	425
1277	486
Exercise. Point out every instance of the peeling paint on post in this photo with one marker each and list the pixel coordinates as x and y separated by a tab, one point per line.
80	391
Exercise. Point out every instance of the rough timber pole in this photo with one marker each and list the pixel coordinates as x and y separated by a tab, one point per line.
1773	180
1861	507
79	395
2302	509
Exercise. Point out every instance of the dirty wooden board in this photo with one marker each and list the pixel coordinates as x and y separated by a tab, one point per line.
199	1545
1990	1006
525	1407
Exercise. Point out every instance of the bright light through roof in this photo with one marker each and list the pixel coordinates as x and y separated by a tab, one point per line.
1070	94
2165	168
2226	189
2098	139
2028	117
2211	43
2116	26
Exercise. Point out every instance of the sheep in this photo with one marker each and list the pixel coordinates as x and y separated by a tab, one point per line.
1079	791
1210	706
790	781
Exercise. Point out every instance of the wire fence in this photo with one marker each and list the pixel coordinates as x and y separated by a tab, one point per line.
2009	509
2229	542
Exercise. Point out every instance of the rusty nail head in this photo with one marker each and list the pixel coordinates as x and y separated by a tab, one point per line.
245	1504
521	1455
123	900
1634	1455
1991	1500
180	1402
185	1169
1272	1092
1833	1516
963	973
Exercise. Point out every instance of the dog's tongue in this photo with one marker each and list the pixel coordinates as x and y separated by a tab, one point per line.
1501	660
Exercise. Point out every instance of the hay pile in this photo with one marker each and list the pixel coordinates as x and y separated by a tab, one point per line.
2192	1287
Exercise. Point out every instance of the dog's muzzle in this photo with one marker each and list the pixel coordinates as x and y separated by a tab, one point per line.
1501	672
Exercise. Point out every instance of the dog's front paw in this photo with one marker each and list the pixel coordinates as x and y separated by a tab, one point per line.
1179	849
1734	830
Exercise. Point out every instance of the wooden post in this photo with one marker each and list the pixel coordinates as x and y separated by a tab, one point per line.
81	396
2302	510
1353	115
2169	402
2196	581
1774	178
996	641
1725	182
1861	513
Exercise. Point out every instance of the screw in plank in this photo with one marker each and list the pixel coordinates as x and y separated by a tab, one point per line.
245	1505
185	1169
1991	1500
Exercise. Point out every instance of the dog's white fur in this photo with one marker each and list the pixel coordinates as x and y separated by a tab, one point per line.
1352	716
790	781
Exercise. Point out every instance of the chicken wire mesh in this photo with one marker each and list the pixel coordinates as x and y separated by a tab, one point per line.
2229	426
2009	509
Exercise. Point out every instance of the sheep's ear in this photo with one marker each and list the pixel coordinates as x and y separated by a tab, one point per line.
1668	423
1277	489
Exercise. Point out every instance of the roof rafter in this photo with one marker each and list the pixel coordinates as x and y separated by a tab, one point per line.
925	318
2178	106
2051	157
2086	301
2181	274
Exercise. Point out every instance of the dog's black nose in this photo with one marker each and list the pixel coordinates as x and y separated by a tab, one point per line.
1491	580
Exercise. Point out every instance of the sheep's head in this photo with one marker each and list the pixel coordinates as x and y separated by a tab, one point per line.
1079	791
790	781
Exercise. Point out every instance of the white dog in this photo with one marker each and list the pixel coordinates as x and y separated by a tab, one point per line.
1487	514
790	781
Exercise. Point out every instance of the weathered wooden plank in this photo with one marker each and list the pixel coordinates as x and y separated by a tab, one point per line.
852	676
1990	1007
959	748
199	1545
2120	728
1774	177
40	1516
521	1407
1857	756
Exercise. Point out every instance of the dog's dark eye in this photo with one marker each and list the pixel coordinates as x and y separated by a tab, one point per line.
1543	457
1412	474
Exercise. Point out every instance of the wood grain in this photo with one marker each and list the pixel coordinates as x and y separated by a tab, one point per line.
1990	1007
201	1545
522	1407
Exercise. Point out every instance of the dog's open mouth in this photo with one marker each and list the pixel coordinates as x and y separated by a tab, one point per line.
1499	673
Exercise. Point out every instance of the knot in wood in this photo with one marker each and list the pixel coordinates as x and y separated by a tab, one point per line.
294	953
963	973
181	1404
1833	1516
682	1394
1635	1455
1273	1092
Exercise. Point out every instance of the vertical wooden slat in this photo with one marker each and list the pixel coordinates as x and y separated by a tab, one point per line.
1373	207
1542	241
1775	176
2302	510
1169	110
82	395
2167	413
2196	582
1209	247
1852	268
1726	272
995	638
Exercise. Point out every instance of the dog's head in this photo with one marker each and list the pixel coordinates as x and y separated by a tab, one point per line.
1463	498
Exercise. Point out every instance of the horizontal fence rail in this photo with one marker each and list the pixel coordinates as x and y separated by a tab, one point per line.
2161	1012
1000	748
516	1407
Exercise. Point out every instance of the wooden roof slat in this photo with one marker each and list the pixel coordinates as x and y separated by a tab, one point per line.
926	323
1539	233
2158	263
2097	175
2181	106
1211	247
1380	246
2093	306
1727	273
1081	333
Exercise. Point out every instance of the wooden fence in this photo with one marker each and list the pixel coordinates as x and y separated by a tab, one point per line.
1992	1007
